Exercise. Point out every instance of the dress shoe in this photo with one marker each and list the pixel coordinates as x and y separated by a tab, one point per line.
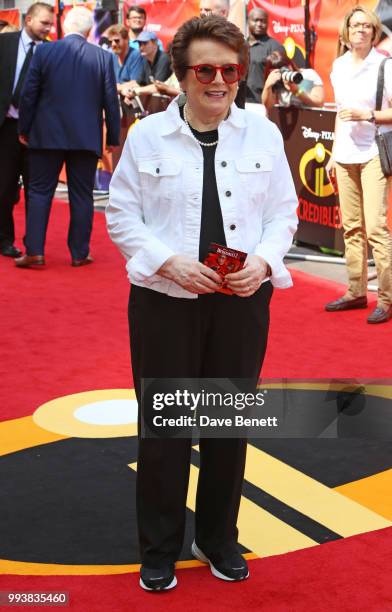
343	303
76	263
10	251
30	261
379	315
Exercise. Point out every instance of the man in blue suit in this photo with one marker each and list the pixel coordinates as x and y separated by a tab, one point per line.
69	85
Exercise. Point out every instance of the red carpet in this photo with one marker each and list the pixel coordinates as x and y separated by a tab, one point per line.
64	329
307	342
351	575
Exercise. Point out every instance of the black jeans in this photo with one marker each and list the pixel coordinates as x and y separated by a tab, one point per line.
215	336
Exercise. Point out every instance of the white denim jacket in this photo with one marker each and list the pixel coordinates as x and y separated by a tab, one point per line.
155	201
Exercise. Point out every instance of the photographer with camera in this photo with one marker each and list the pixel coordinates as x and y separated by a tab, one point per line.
288	85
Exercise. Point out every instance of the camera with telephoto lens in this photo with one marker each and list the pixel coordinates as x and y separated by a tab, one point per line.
289	76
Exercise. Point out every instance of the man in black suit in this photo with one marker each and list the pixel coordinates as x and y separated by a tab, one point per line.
69	85
16	49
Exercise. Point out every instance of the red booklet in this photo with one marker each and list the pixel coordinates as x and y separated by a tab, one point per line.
224	261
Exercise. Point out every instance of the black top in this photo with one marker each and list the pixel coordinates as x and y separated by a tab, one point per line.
259	51
160	69
211	227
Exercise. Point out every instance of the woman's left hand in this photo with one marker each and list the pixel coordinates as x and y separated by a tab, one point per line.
292	87
246	282
354	114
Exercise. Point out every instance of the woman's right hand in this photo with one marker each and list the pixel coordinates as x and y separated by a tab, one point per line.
273	77
330	169
190	274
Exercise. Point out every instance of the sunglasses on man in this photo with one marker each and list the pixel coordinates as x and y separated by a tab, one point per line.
206	73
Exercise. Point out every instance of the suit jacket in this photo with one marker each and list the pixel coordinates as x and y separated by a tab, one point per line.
68	86
9	43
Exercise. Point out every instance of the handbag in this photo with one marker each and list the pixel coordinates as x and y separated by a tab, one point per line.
383	139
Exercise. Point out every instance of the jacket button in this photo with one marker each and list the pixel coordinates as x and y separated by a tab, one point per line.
228	193
257	165
232	227
157	170
224	164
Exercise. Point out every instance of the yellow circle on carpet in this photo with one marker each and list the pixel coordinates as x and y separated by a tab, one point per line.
106	413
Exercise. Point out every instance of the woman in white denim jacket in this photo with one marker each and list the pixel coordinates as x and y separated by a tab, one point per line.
198	173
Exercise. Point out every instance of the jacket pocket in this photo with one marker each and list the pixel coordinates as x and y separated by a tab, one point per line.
255	173
160	177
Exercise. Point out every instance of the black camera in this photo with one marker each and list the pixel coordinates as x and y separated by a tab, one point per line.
290	76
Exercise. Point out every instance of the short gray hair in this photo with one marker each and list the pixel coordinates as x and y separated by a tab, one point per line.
78	19
221	7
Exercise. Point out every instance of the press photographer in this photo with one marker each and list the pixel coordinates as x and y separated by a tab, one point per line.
288	85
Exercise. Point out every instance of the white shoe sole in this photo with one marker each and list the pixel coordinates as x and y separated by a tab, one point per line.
198	554
166	588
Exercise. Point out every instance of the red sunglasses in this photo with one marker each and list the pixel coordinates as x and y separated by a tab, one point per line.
206	73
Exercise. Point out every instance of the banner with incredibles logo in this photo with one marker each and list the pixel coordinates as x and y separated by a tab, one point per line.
308	138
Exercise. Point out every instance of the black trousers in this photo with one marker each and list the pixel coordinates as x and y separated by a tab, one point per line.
13	163
44	167
215	336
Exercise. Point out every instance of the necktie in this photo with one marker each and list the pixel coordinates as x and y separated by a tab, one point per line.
25	67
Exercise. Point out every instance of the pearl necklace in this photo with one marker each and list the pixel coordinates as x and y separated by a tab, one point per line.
203	144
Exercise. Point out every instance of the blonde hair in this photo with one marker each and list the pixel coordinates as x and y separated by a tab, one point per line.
342	47
9	28
373	18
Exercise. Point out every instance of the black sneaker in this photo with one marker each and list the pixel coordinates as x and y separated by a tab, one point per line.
233	567
161	579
